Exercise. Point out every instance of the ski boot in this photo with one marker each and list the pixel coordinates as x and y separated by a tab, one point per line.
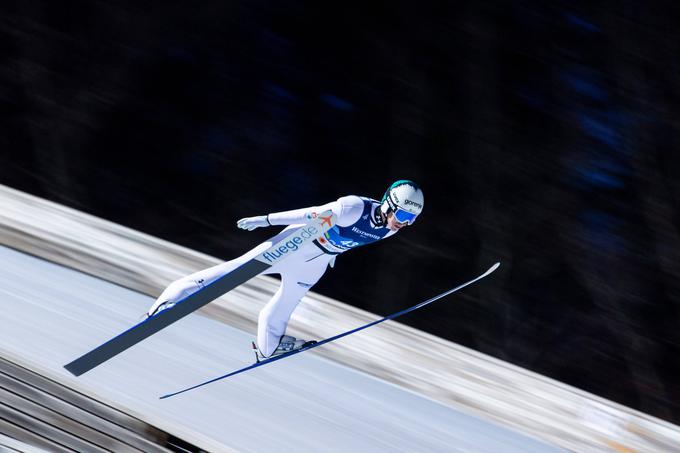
286	345
157	309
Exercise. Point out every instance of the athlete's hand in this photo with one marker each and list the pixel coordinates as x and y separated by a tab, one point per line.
250	223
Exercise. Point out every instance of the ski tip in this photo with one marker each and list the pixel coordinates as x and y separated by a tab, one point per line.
492	268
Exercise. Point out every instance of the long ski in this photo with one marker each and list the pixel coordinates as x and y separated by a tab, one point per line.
283	246
336	337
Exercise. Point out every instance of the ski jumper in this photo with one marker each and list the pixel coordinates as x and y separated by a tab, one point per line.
358	223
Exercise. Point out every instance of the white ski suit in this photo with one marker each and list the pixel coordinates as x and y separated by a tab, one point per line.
358	223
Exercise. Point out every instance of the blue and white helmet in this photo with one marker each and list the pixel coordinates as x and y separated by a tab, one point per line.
405	199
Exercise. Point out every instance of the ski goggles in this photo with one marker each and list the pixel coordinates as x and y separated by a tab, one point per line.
404	216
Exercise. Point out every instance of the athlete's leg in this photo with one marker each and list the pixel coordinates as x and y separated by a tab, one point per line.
185	286
297	278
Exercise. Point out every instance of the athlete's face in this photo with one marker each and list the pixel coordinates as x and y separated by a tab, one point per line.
393	224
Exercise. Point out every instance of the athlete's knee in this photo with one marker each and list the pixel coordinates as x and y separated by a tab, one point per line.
278	309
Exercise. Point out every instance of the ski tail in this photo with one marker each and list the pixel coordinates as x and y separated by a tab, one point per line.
340	335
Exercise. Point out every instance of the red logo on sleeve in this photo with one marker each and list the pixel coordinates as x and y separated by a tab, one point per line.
326	220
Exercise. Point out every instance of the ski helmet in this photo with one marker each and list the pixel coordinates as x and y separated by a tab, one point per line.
405	199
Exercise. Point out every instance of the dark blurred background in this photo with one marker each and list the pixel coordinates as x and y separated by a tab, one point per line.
543	134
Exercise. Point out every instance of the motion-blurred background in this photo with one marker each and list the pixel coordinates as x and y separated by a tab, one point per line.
543	134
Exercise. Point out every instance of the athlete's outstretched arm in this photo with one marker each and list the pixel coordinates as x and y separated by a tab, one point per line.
345	208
